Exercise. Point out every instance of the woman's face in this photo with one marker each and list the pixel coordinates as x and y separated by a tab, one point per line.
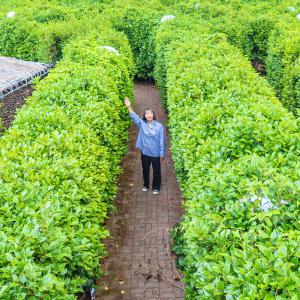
149	115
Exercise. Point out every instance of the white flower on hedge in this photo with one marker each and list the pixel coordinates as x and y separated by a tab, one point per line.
111	49
292	9
166	18
265	203
298	16
197	5
10	14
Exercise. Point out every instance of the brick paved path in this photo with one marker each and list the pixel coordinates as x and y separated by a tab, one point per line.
140	265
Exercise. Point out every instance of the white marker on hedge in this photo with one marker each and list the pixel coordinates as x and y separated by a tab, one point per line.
197	5
166	18
298	16
292	9
265	203
10	14
111	49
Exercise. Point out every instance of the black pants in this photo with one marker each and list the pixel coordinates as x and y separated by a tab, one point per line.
146	163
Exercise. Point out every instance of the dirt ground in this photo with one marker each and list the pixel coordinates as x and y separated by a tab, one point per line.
10	103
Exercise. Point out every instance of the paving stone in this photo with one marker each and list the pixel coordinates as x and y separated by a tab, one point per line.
143	259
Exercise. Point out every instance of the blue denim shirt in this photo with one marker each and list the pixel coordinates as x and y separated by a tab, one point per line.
151	138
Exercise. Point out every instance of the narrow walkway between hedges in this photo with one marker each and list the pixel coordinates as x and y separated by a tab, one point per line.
140	265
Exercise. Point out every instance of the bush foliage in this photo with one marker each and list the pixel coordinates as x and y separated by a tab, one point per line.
231	141
235	147
59	165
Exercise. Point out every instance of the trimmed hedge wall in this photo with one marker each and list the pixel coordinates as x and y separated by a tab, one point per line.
233	144
140	25
59	165
266	31
231	141
283	63
39	31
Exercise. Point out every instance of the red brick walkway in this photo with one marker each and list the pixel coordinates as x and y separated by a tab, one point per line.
140	265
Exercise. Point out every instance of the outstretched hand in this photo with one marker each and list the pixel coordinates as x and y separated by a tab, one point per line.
127	102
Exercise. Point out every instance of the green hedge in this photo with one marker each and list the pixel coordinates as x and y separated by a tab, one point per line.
166	33
140	25
266	31
283	63
291	90
231	140
59	164
41	30
247	25
16	42
139	22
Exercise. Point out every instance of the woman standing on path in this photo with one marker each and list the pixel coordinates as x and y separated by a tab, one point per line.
152	143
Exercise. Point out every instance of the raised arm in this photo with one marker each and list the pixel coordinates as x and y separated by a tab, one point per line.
128	105
135	118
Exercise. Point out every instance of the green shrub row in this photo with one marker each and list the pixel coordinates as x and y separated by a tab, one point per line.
266	31
140	24
59	164
269	35
232	143
39	31
283	63
165	35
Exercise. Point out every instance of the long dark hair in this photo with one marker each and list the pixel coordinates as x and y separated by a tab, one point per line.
154	116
